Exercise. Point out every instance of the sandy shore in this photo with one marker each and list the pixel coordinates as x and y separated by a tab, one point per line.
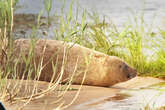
87	94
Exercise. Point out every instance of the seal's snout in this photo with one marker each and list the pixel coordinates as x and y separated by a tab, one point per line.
132	74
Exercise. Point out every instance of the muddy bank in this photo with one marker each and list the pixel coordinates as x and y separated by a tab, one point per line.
94	98
28	26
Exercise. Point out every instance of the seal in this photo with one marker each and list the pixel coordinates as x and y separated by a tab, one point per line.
63	61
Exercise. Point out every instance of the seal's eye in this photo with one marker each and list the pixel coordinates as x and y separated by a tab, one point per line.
123	66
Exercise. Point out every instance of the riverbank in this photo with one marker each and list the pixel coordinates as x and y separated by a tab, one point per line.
90	97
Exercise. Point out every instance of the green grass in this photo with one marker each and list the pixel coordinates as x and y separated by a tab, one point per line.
97	34
147	107
48	7
12	66
128	43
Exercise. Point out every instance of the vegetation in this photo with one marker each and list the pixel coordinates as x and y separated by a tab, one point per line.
98	34
130	43
147	107
23	91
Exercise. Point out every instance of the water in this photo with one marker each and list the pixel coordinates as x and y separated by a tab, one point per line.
116	10
131	99
119	12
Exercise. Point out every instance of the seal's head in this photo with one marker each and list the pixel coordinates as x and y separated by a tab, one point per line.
118	70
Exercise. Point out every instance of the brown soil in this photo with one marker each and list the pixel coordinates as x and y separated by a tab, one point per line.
87	93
